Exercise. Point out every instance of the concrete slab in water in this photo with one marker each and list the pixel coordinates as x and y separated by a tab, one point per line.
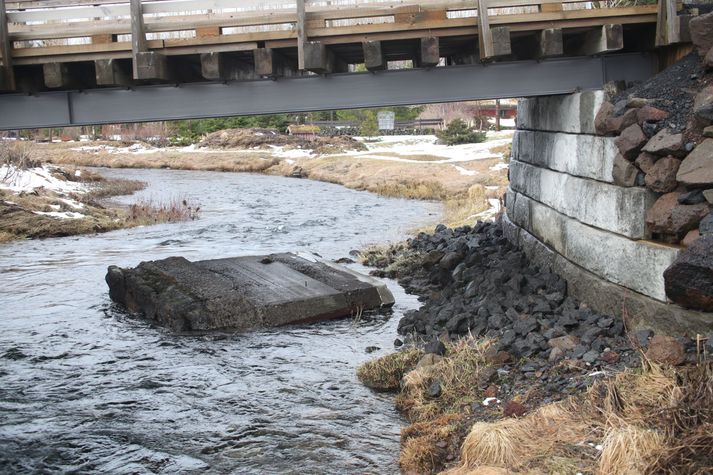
244	293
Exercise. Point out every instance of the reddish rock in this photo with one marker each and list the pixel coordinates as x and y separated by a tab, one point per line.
630	141
666	350
668	217
566	342
611	357
701	28
691	237
650	114
606	111
689	280
555	355
492	391
513	409
661	178
499	358
645	161
615	125
624	172
703	104
665	143
697	168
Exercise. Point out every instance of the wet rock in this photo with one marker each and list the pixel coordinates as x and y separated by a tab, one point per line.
703	104
643	336
661	178
689	280
645	161
624	172
665	142
435	347
450	261
668	217
514	409
650	114
567	342
666	350
590	356
708	60
708	131
398	343
697	168
692	197
690	238
630	141
701	29
434	390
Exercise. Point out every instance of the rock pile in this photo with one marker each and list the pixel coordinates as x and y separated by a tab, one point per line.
475	283
664	133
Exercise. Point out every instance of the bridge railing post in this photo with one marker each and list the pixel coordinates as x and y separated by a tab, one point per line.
301	34
668	27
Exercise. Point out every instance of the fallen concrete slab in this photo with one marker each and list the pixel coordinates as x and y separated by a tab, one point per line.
244	293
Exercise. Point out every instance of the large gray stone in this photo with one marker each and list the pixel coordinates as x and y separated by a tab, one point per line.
572	113
243	293
640	311
637	265
624	172
587	156
609	207
697	168
703	104
665	143
701	28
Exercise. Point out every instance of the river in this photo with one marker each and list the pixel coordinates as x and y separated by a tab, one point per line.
85	388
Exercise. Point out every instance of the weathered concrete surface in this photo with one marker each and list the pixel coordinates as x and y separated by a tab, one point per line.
571	113
637	265
606	297
243	293
586	156
609	207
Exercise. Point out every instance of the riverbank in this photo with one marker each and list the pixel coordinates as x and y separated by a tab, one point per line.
40	201
468	179
500	356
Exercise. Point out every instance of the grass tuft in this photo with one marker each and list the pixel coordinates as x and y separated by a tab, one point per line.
385	373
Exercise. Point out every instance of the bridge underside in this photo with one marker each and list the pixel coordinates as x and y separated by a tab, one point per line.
337	91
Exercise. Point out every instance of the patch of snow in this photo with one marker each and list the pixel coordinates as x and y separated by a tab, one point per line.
32	178
465	171
490	400
500	166
77	173
289	161
490	213
72	203
55	207
294	153
61	215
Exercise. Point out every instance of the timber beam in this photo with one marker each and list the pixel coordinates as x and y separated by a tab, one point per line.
60	76
600	40
429	53
113	72
7	75
148	65
373	56
550	43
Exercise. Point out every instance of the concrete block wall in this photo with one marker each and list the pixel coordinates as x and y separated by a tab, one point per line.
566	213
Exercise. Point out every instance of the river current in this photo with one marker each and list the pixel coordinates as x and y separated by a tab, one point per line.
86	388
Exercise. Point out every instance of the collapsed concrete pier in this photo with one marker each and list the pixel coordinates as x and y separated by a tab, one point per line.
244	293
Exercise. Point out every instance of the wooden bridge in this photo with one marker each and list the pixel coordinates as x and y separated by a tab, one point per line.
101	45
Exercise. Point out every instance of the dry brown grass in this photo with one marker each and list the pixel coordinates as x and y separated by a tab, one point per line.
424	445
641	421
385	373
458	375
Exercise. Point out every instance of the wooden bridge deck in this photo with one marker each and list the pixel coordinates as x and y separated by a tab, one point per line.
78	44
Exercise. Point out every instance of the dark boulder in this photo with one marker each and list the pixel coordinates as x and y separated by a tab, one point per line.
689	280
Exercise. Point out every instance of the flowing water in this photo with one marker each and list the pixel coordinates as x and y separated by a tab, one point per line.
87	388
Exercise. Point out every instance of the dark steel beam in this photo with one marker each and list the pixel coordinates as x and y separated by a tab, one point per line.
339	91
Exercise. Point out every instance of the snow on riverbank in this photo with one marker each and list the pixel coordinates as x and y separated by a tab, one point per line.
18	180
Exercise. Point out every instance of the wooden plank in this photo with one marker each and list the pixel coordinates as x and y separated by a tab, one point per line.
265	62
501	41
212	66
59	75
485	36
373	56
301	34
8	74
668	29
208	32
